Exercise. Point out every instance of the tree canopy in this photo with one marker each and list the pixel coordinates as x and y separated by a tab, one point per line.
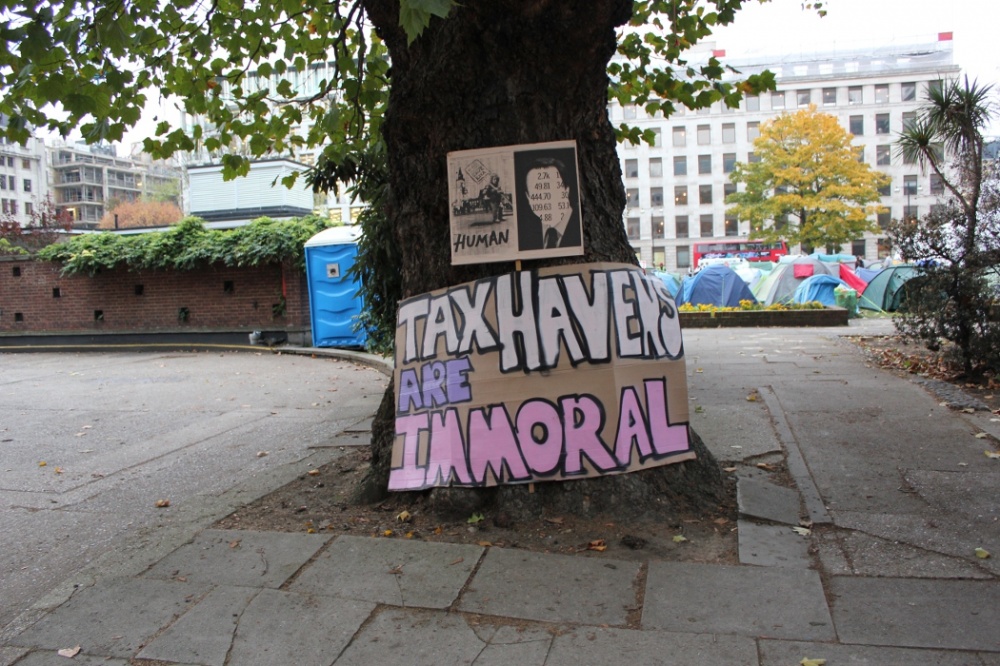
276	77
807	184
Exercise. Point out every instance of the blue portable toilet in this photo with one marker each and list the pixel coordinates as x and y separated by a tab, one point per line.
334	302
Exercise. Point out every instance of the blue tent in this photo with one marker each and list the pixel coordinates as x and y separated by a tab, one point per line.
818	288
670	280
715	285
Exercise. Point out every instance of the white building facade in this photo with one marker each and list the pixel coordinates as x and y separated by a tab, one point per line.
677	188
24	182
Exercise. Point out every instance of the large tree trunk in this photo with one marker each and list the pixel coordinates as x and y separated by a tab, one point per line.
503	73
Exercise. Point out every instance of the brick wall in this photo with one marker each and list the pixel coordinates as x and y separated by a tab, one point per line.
35	299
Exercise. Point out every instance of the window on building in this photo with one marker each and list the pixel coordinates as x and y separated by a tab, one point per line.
883	155
884	219
753	130
909	117
882	93
860	152
753	102
803	98
704	194
728	133
680	165
858	247
656	196
910	184
680	137
632	197
856	125
704	135
27	184
657	139
632	228
681	226
937	184
934	87
683	256
753	158
3	182
29	208
10	162
778	100
908	92
655	167
13	206
885	190
704	164
829	96
659	257
910	212
680	195
628	111
728	162
728	189
631	168
732	226
707	226
658	229
882	123
855	96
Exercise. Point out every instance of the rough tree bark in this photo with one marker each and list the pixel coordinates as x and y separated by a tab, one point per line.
499	73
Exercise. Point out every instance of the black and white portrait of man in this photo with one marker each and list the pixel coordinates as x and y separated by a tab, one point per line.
548	200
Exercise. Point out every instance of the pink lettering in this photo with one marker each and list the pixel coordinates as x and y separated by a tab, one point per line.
631	429
493	446
667	438
447	451
409	476
539	432
584	418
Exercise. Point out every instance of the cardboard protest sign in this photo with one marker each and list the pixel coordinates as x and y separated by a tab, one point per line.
561	373
514	202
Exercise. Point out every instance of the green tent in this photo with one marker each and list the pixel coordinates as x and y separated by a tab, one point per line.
885	291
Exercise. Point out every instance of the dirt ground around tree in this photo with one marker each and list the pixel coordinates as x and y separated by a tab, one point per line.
320	500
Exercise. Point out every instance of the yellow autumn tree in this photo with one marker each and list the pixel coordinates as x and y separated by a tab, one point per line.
807	184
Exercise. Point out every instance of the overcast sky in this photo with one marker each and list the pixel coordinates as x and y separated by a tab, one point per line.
782	27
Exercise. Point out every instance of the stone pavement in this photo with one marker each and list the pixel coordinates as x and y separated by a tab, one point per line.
863	553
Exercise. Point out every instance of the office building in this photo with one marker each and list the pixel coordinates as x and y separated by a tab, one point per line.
676	188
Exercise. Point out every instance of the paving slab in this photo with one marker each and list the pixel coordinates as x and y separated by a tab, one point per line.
785	653
115	618
302	629
552	588
772	546
50	658
849	552
8	655
722	599
768	501
597	645
904	612
390	571
204	634
240	558
398	637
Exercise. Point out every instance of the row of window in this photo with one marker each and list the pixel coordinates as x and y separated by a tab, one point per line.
9	207
10	183
9	162
859	248
828	96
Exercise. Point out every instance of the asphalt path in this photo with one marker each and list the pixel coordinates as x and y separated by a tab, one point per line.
92	442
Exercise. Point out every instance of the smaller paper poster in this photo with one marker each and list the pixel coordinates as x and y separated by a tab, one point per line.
515	202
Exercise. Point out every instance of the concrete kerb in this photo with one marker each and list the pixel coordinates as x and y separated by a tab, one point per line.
383	364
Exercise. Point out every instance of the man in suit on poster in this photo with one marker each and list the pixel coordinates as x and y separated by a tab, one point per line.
548	216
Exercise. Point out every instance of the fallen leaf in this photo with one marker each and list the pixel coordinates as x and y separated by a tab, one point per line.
679	538
803	531
968	410
721	521
387	533
397	570
313	472
311	530
766	466
235	543
699	410
554	521
484	544
728	469
438	529
752	397
409	535
69	652
403	516
162	503
58	470
982	553
261	454
42	463
458	561
699	370
598	545
980	435
475	518
812	662
992	454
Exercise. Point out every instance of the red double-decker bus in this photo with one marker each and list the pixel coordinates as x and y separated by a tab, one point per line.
738	249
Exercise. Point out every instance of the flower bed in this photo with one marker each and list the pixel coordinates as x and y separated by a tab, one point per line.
755	315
